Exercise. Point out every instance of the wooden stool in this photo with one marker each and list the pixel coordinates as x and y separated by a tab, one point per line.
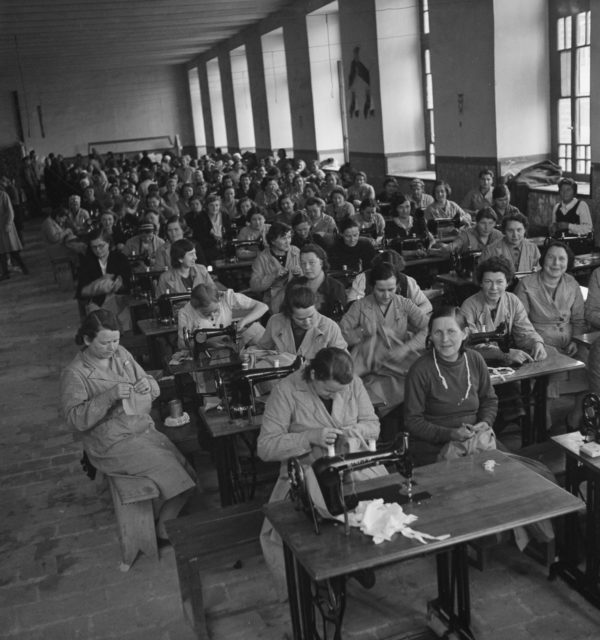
210	539
132	499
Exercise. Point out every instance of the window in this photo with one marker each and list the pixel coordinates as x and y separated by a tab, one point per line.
571	88
427	86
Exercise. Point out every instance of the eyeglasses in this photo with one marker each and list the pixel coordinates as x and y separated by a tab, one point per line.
100	245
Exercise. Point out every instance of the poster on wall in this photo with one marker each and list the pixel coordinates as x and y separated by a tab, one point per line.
359	88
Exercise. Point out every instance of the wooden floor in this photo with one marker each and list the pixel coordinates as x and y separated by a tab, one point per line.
59	554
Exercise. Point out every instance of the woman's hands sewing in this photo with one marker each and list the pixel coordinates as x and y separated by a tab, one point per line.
324	437
123	390
466	431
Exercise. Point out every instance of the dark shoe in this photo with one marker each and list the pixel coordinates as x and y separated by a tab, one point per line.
364	577
162	543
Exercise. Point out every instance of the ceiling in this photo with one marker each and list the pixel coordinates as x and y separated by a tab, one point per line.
56	37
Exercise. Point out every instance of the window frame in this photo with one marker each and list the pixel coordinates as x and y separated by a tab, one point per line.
428	114
557	11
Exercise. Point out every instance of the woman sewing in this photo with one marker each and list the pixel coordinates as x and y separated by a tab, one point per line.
449	395
300	329
106	397
184	273
329	292
386	333
324	404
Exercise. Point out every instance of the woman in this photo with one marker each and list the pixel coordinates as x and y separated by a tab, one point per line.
330	182
570	215
285	206
400	224
553	301
300	329
360	189
268	197
275	266
322	405
386	332
522	253
10	245
501	205
349	250
481	197
493	306
255	231
476	238
60	240
211	228
302	233
320	223
405	285
184	273
228	202
339	208
442	208
449	395
209	308
370	221
106	397
330	293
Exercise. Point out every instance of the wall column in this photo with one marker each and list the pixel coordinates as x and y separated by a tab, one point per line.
228	101
258	92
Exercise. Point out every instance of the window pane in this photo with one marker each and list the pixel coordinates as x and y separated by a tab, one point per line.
581	30
588	27
568	39
560	33
427	61
431	126
565	73
564	121
582	121
429	92
582	86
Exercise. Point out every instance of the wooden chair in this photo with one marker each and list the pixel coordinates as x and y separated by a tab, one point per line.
216	538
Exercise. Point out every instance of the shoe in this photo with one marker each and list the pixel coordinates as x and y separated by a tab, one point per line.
162	543
364	577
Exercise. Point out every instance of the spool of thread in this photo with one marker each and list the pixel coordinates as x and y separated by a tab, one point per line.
330	451
175	408
372	443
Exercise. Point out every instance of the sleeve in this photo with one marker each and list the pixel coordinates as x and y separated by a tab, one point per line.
357	290
239	300
140	373
578	322
267	341
416	295
162	285
417	390
488	401
261	278
417	323
585	220
275	442
350	326
367	423
592	304
81	411
523	294
522	330
336	338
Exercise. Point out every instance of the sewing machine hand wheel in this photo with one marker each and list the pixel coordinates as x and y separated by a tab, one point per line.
591	416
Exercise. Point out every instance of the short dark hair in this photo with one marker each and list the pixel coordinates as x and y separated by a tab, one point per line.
381	271
94	322
178	250
297	296
346	224
517	216
391	257
486	212
496	264
443	183
330	363
95	234
570	183
339	190
202	295
486	172
367	202
299	218
448	311
276	230
318	251
560	245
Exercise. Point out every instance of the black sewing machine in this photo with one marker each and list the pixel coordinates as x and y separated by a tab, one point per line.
444	228
499	338
411	243
232	247
590	428
577	244
169	304
199	340
330	472
464	264
243	402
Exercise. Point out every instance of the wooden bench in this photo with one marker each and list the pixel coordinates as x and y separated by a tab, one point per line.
132	500
211	539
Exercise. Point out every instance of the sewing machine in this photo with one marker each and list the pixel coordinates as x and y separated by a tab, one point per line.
252	246
331	473
499	337
243	402
169	304
577	244
199	340
444	228
590	427
464	264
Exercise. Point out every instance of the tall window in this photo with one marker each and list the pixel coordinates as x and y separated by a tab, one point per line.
427	85
572	90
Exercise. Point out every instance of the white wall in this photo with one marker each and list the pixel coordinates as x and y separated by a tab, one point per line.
276	83
196	105
522	70
323	29
215	94
242	99
399	50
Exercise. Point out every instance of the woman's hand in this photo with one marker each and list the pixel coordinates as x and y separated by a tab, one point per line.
324	437
517	356
571	349
464	432
539	352
121	390
142	386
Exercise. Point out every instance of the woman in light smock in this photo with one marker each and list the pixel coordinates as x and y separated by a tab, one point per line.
323	404
106	397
